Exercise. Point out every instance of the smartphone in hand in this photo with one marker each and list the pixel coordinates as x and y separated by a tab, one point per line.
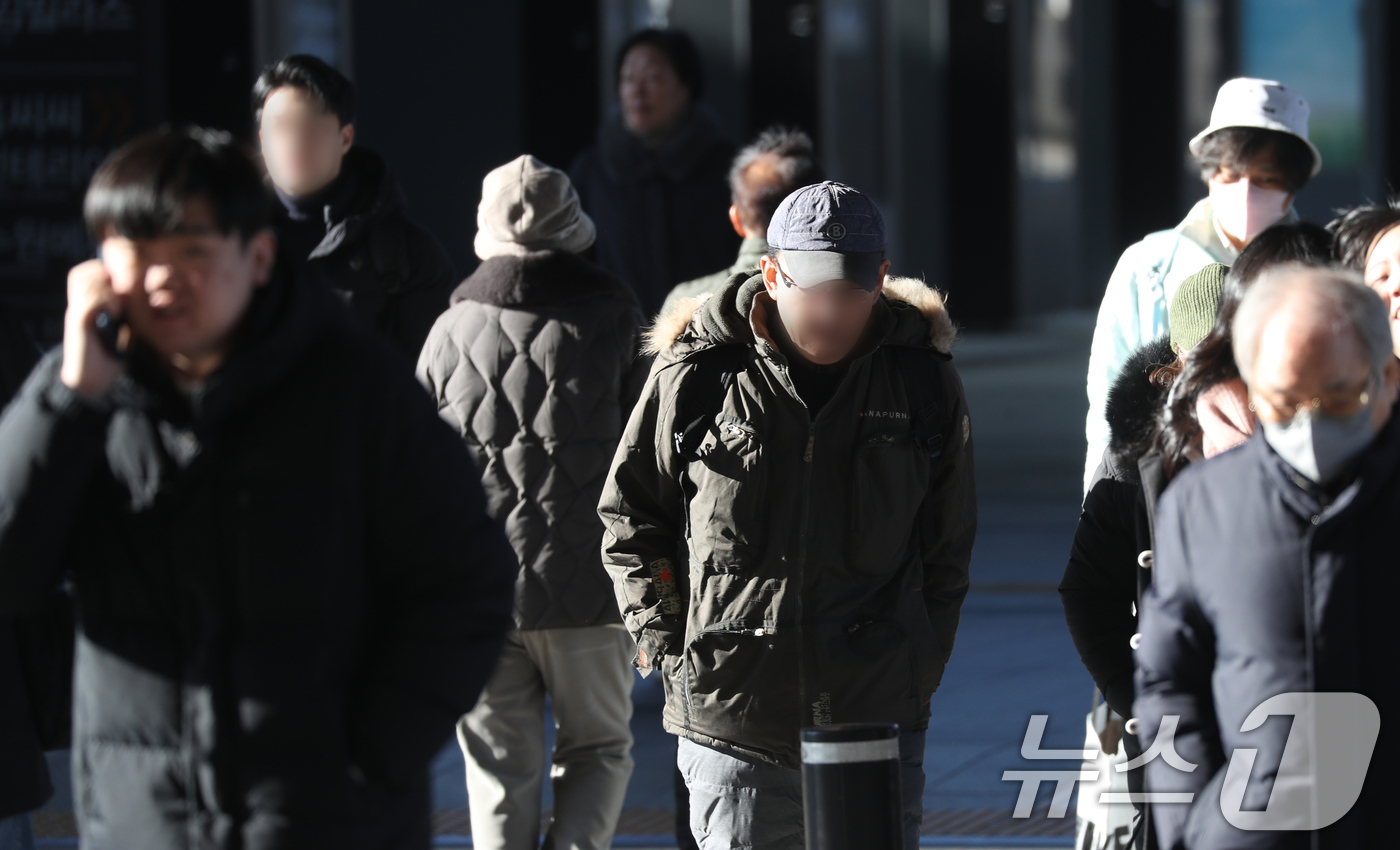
109	329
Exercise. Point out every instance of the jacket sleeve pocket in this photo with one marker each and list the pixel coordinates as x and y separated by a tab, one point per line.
728	483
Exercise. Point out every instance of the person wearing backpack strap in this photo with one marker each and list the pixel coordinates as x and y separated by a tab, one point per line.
790	515
343	218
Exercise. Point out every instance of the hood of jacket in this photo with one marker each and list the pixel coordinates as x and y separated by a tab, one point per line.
625	158
909	312
1133	404
539	279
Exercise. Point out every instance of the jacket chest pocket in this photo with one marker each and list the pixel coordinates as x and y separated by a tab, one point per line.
729	480
889	478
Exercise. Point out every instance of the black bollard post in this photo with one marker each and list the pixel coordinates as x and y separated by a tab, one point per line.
850	787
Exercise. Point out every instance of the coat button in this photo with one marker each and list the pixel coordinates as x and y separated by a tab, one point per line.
1135	641
1316	520
1145	559
1131	726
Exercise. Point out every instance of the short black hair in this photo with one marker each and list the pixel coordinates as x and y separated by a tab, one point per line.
332	90
140	191
1354	231
680	51
1236	147
792	165
1285	243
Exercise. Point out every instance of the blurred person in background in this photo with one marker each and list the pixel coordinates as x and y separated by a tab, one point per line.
771	167
654	184
342	218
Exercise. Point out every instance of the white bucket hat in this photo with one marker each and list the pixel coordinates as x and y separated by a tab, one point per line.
1267	104
528	206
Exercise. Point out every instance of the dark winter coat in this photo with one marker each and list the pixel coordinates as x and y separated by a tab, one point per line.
1104	575
394	275
662	215
532	365
828	555
24	774
1264	585
287	587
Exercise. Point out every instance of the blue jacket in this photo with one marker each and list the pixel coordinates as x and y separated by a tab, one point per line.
1135	304
1265	585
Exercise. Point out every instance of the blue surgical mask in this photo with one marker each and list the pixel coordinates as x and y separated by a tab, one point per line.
1318	446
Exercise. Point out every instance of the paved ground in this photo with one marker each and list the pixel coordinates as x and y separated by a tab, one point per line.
1013	656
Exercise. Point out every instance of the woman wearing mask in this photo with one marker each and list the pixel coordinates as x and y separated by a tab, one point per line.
1254	158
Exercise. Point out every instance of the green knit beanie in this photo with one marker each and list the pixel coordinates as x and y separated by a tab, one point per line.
1194	306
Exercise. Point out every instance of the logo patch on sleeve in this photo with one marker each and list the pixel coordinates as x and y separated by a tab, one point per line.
663	578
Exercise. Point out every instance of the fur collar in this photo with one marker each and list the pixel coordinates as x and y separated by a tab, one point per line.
539	279
1133	403
670	325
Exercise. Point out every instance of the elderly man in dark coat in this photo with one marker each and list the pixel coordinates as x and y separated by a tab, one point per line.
1275	574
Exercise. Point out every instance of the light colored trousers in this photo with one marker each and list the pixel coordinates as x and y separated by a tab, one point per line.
587	673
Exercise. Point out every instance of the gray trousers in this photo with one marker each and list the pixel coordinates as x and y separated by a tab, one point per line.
587	674
743	803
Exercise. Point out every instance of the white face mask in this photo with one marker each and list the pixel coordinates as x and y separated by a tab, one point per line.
1244	209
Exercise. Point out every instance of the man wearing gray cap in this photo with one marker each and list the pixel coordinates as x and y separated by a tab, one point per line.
804	443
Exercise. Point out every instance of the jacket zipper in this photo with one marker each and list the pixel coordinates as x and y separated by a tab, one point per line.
862	488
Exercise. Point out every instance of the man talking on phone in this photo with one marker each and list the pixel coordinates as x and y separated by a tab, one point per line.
287	586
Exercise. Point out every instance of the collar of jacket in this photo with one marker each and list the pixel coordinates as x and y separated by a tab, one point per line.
283	320
625	158
540	279
1132	405
751	251
908	313
1377	469
374	194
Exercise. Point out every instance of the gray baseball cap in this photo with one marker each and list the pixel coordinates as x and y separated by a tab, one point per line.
829	231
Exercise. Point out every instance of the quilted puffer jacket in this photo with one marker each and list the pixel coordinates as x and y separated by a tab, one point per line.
532	364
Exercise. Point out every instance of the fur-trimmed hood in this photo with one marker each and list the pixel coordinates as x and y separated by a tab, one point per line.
715	318
1133	404
538	279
